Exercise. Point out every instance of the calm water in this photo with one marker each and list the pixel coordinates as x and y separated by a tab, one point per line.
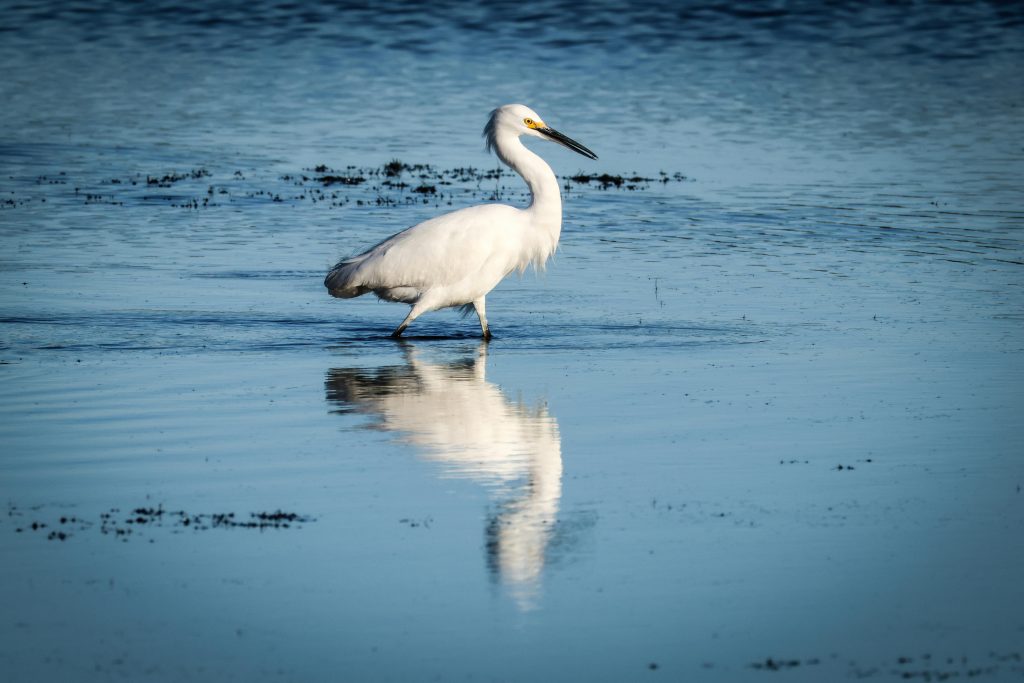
767	409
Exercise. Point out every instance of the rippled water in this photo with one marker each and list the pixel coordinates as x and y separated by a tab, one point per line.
760	417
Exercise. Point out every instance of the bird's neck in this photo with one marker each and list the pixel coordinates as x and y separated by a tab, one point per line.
546	206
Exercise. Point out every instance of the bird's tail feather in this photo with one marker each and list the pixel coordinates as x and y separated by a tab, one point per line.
340	282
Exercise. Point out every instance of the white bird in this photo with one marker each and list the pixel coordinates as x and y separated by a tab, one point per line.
457	258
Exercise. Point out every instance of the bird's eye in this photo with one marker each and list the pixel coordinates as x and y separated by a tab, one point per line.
528	122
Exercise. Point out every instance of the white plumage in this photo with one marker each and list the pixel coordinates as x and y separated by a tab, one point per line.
457	258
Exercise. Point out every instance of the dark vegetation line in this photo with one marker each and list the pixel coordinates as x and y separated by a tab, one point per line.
394	183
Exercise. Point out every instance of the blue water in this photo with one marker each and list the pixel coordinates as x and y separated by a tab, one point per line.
759	417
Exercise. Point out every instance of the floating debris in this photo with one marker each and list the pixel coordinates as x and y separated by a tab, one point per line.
394	183
416	523
123	525
169	179
341	180
605	180
772	664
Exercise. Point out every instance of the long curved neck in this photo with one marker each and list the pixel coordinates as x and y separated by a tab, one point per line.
546	205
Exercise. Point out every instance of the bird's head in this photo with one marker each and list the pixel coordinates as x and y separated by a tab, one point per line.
518	119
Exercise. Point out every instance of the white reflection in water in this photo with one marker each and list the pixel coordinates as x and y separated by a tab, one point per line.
452	415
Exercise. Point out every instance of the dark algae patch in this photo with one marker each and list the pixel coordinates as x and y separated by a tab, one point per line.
925	667
169	179
773	664
341	180
416	523
124	524
391	184
606	180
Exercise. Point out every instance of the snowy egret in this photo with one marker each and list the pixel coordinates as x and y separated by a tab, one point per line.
457	258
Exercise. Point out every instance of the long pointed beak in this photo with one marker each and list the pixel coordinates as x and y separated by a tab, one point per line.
567	141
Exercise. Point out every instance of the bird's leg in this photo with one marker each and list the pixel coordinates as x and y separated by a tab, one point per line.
482	314
413	314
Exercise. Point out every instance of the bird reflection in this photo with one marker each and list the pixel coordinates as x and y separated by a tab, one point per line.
454	416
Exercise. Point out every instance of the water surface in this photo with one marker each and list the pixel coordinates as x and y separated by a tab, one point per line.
760	417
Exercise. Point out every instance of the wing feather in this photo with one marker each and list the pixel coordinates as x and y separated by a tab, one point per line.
436	253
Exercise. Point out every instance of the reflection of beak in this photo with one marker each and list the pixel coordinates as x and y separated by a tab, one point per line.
555	136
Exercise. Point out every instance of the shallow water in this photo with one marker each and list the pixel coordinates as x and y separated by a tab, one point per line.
760	419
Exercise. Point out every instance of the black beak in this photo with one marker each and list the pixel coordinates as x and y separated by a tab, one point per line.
565	140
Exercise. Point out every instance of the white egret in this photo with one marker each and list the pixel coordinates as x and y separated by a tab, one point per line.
457	258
